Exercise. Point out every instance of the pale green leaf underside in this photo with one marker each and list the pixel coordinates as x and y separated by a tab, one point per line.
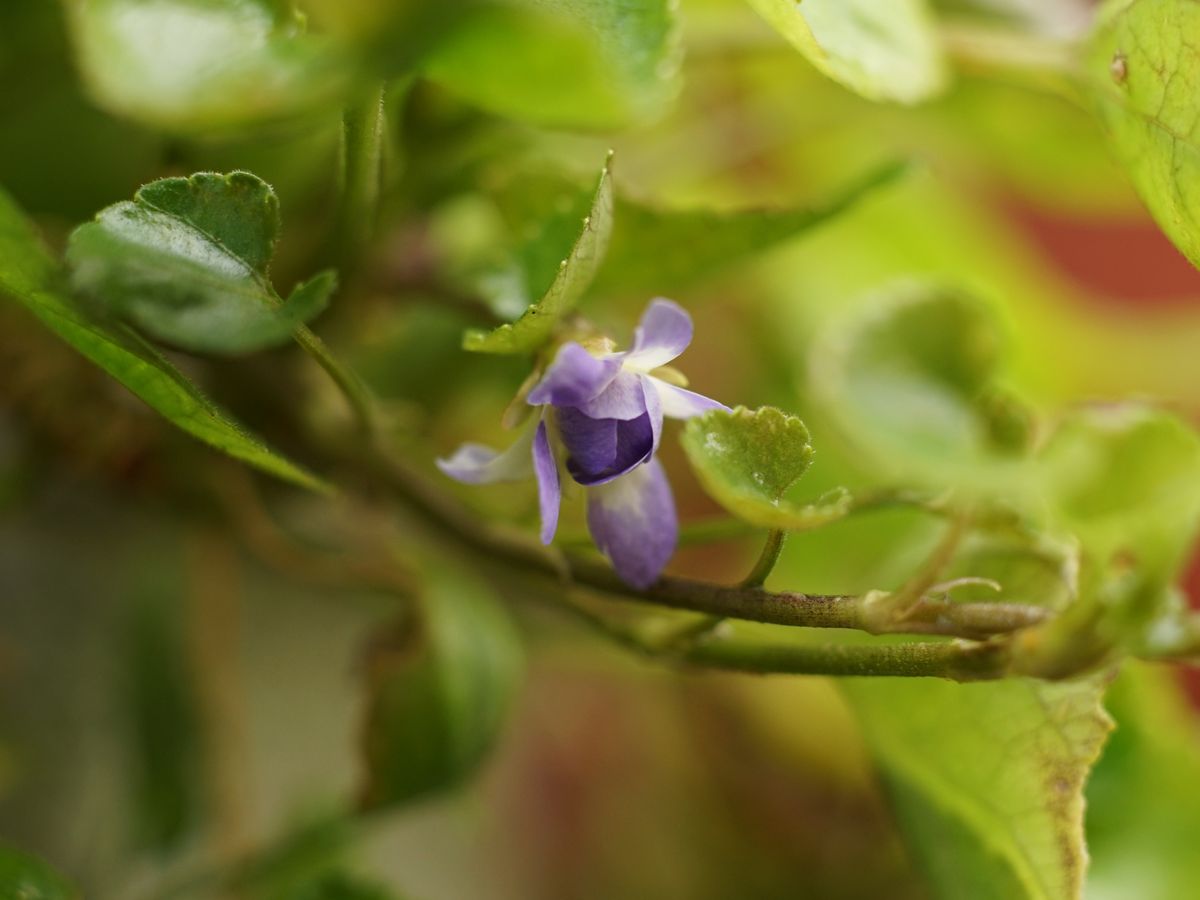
186	262
987	779
748	459
881	50
1143	68
566	63
195	65
575	275
30	275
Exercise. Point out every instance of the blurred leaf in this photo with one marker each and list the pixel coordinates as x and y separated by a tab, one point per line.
572	63
1142	815
658	250
987	779
747	460
440	685
30	275
199	65
187	260
883	51
165	723
1125	479
336	886
24	877
1143	71
909	381
559	280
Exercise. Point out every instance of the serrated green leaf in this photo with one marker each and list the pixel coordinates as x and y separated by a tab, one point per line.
748	459
25	877
662	250
569	63
1125	480
909	381
1143	71
199	65
30	275
186	262
440	686
883	51
589	242
986	780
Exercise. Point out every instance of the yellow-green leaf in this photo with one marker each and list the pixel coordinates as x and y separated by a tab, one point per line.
986	779
1143	72
881	50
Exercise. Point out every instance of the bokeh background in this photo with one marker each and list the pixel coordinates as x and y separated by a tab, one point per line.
175	688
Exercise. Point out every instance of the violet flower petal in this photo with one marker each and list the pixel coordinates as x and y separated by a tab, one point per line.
591	443
663	333
654	409
549	492
632	520
477	464
623	398
574	378
678	403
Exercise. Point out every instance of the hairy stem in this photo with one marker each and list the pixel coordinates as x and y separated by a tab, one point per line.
362	171
362	405
766	560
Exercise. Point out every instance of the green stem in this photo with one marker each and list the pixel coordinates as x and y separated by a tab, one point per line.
357	395
362	172
955	660
766	560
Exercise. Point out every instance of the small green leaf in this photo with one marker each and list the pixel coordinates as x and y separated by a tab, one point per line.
883	51
24	877
572	277
1143	71
986	780
1125	480
187	260
570	63
31	276
748	459
199	65
662	250
909	381
440	687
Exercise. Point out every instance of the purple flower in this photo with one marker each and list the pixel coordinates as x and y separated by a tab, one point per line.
606	411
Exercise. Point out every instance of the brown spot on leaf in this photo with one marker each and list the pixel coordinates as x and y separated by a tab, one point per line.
1118	68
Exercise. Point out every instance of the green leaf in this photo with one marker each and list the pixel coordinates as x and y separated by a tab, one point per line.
186	262
661	250
570	63
748	459
335	886
24	877
30	275
986	779
908	379
1143	72
199	65
440	685
1125	480
559	286
883	51
1141	831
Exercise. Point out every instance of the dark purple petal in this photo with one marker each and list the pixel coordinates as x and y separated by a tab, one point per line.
632	521
546	470
624	398
591	443
663	333
476	464
678	403
600	450
574	378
